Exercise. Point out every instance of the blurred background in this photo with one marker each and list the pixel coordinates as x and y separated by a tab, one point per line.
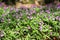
37	2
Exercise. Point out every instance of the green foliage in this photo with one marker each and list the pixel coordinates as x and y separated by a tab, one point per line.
23	25
0	0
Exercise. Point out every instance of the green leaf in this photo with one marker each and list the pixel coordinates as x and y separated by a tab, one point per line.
37	9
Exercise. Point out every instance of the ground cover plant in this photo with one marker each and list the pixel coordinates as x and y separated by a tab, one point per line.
35	23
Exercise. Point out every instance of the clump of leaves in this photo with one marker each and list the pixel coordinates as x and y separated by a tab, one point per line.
29	24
